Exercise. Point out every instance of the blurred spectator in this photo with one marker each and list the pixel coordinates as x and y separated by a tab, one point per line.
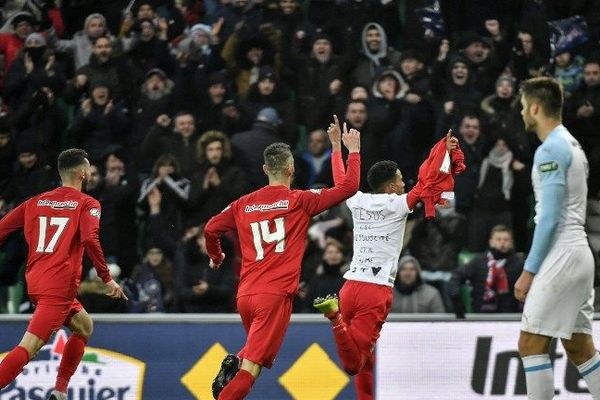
491	203
200	52
156	98
236	14
315	160
472	145
269	91
492	276
437	242
180	141
12	42
173	20
116	191
388	92
35	67
411	294
7	153
41	121
328	278
375	54
503	120
151	50
296	31
582	116
412	67
82	44
92	293
527	59
99	122
454	89
217	182
103	66
248	146
244	56
201	288
568	70
321	76
163	198
152	284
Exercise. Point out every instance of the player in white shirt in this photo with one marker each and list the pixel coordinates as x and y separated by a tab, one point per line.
557	282
366	297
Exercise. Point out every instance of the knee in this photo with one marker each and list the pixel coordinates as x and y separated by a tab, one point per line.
578	354
85	328
532	345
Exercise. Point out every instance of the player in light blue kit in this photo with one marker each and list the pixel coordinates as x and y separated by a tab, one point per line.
557	282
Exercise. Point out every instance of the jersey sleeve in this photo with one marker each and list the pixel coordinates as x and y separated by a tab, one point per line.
12	221
317	201
552	163
401	205
89	228
216	226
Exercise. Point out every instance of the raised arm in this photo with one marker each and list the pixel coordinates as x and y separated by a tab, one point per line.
337	163
316	202
218	225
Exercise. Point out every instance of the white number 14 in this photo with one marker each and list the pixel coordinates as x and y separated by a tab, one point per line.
61	222
261	233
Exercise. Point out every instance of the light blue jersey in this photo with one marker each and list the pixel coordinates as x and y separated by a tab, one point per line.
559	177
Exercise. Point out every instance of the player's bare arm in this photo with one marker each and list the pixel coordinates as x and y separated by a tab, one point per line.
116	291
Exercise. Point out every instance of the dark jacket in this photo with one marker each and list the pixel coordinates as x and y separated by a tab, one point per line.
248	148
328	280
162	140
193	266
476	273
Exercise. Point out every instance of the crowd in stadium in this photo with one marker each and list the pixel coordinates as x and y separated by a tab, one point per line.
175	101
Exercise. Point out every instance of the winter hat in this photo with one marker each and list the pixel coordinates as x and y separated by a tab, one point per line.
320	35
269	115
200	28
505	77
26	145
470	37
23	16
41	40
156	71
412	54
267	72
217	78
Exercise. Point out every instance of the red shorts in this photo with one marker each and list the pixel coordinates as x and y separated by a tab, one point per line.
364	307
265	318
50	314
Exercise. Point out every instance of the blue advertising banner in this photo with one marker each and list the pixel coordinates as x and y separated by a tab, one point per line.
178	361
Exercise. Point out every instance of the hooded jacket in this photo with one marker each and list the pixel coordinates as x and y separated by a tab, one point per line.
366	68
418	297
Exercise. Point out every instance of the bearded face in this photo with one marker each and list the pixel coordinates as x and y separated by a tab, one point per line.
528	120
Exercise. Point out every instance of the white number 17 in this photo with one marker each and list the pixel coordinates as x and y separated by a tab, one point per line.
61	222
261	233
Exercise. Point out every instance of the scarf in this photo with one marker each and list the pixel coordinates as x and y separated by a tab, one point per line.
502	162
496	283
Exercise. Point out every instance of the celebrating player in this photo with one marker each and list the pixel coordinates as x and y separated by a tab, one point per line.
58	226
365	299
557	282
271	224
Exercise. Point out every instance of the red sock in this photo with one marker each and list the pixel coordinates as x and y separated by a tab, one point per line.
349	353
239	387
70	360
12	365
363	381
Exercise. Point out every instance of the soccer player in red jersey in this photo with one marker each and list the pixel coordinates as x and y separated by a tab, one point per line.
58	225
271	223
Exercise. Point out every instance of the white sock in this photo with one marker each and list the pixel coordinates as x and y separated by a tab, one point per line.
590	371
539	377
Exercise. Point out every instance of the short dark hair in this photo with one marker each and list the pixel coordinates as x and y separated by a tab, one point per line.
501	228
352	101
104	36
70	159
277	156
547	92
381	173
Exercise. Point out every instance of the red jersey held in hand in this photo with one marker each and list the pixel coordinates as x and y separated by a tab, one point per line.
58	226
272	224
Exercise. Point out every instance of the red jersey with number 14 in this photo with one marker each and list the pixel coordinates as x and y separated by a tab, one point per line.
272	224
58	226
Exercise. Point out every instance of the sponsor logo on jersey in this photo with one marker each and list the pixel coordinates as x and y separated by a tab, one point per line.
548	166
102	374
58	205
94	212
278	205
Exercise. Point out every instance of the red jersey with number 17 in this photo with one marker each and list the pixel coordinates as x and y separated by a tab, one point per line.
272	224
58	226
